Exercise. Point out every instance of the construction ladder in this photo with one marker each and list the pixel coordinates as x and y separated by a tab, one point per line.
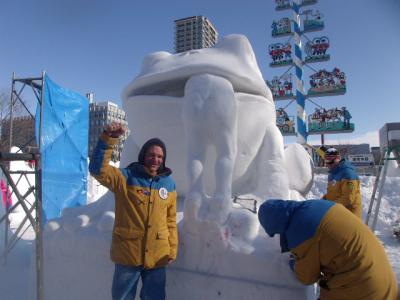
380	183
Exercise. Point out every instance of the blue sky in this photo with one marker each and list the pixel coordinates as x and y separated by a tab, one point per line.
98	46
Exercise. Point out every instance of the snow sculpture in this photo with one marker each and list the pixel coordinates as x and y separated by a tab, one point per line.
216	115
212	97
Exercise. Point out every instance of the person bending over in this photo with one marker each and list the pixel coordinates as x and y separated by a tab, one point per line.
331	246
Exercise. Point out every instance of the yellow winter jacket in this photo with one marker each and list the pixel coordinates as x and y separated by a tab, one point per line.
344	187
145	231
347	259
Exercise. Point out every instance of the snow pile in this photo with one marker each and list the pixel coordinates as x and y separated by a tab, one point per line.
393	167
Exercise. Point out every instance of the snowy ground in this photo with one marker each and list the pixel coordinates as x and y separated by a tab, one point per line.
17	279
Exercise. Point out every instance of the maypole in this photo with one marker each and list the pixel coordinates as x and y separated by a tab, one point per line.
298	62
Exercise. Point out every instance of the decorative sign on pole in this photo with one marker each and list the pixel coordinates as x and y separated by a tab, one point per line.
281	54
313	21
324	83
281	27
284	122
281	88
282	4
316	50
285	4
334	120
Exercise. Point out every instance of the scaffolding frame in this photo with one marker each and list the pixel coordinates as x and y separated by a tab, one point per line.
379	185
33	215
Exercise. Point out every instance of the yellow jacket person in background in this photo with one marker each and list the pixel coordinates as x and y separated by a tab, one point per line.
331	246
343	182
145	237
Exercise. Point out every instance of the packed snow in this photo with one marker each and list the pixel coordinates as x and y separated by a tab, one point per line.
93	269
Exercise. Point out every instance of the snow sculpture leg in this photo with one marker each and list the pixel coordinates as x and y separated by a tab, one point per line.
210	118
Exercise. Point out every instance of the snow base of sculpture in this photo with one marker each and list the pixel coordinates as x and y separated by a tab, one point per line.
213	262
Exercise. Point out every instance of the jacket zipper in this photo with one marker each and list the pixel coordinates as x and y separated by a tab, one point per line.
147	223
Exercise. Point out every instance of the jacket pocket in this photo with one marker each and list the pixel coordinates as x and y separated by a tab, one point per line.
163	235
128	233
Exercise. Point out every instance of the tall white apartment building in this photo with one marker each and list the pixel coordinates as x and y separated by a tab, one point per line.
101	114
194	33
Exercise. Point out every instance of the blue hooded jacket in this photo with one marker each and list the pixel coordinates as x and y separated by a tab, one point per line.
294	221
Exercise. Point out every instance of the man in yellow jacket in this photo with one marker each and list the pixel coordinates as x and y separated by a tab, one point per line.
331	246
343	182
145	237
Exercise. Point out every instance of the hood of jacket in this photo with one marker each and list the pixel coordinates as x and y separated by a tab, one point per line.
343	164
154	142
275	217
138	170
294	221
344	170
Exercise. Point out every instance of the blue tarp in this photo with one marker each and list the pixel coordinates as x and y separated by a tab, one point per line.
64	148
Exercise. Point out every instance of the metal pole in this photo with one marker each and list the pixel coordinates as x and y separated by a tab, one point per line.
7	226
374	190
38	183
380	193
6	156
7	222
371	202
298	61
11	110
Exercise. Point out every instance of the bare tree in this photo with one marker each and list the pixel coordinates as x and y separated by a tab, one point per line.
22	122
4	103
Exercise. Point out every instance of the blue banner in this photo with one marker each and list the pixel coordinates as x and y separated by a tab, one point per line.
64	148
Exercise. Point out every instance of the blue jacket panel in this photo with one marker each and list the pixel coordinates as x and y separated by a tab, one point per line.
344	170
295	221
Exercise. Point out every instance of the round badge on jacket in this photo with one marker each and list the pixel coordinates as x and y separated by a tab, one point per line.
163	193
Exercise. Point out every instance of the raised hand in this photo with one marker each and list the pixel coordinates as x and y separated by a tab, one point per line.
114	129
